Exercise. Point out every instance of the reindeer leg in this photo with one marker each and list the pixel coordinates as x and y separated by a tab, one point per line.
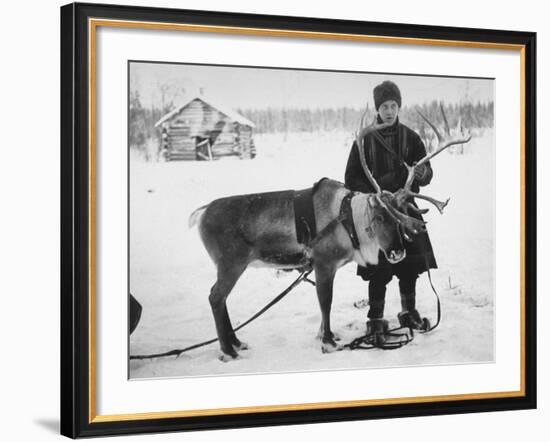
228	276
324	280
321	333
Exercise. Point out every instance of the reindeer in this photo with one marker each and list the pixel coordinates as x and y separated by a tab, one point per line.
259	230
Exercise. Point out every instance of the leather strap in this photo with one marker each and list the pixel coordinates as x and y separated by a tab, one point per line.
304	216
387	147
346	216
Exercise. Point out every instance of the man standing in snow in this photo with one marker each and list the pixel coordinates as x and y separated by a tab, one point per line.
385	149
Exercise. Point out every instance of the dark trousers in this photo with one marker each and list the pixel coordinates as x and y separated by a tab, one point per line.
377	289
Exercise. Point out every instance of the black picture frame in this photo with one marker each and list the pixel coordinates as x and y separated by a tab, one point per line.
77	418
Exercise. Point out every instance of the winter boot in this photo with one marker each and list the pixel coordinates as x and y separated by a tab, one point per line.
412	319
376	330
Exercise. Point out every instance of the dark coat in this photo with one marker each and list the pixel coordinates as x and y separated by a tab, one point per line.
391	175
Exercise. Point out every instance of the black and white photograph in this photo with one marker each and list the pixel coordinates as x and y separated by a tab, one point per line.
287	220
274	221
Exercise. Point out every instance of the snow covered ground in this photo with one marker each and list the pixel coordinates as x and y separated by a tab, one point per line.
171	273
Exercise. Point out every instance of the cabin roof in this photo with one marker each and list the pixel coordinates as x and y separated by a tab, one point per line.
227	111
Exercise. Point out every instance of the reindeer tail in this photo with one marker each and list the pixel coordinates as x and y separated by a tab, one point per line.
196	215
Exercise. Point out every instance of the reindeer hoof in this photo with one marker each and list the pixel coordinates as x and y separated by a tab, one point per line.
224	357
228	353
330	347
240	346
321	336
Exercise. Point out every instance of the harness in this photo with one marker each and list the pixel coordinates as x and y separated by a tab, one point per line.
306	226
346	216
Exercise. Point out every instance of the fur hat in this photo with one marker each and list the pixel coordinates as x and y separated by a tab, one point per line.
385	91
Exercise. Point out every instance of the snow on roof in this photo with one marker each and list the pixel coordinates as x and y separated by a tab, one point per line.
227	111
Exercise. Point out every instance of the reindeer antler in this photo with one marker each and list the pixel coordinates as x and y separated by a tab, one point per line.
359	137
405	194
444	142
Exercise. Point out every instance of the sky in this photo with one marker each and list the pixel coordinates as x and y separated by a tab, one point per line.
259	88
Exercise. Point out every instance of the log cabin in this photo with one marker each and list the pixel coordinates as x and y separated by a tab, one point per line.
202	129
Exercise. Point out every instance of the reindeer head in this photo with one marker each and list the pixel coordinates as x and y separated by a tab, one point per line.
383	229
393	210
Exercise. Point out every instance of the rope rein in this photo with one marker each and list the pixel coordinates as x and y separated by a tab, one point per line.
365	342
177	352
303	277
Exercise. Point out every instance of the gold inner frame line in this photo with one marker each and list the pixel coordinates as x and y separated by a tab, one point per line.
300	34
92	402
